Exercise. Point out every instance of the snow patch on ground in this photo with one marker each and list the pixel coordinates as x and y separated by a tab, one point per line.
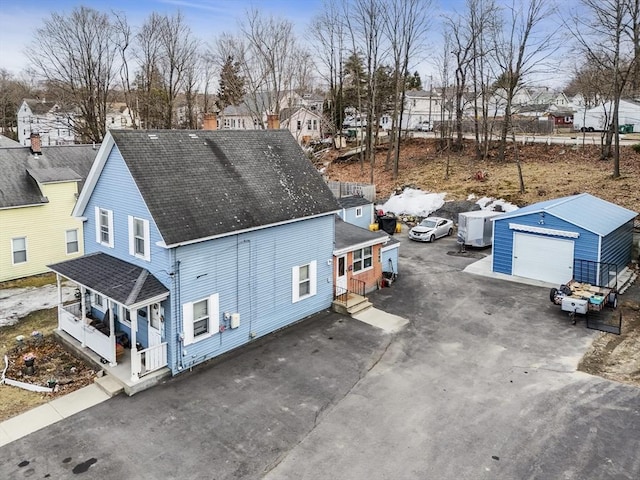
16	303
414	202
422	204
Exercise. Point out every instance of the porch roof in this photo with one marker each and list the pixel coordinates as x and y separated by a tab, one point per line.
121	281
350	237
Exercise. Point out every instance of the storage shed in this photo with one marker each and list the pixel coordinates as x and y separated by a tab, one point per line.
542	241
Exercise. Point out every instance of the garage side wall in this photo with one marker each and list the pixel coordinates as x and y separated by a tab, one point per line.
617	246
585	246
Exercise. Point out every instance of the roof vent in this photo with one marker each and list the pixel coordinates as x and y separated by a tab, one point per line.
153	136
193	135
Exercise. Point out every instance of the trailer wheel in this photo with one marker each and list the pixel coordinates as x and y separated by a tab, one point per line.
552	295
613	300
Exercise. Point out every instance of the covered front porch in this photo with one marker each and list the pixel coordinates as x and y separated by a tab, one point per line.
117	320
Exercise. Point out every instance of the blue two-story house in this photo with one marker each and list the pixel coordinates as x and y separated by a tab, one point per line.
196	242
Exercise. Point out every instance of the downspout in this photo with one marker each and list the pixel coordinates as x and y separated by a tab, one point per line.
176	308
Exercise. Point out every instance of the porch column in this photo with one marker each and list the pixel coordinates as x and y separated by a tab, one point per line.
112	335
83	317
59	286
135	356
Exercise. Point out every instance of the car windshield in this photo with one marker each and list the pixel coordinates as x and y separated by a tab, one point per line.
428	223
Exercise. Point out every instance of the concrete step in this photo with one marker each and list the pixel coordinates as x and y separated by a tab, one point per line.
109	385
360	307
627	283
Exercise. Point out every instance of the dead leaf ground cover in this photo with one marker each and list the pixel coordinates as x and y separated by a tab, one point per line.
53	361
549	171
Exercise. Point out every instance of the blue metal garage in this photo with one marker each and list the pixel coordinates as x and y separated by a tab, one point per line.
545	241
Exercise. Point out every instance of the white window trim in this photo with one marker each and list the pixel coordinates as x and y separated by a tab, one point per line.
132	239
66	241
214	320
364	269
26	251
94	304
110	225
313	281
358	212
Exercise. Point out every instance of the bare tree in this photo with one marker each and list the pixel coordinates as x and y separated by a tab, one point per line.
270	60
12	92
76	53
607	37
406	25
364	23
123	36
329	30
523	46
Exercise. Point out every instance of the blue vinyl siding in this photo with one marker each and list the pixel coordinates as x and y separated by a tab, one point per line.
617	246
116	191
349	216
252	274
585	246
390	255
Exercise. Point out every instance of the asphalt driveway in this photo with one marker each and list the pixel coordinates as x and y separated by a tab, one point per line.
480	385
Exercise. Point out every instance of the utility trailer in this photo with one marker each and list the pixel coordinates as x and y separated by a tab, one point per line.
581	298
475	228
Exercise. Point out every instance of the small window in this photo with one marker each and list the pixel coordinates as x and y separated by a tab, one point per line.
19	249
97	300
315	125
200	319
308	124
299	125
72	242
358	212
104	227
362	259
139	243
304	281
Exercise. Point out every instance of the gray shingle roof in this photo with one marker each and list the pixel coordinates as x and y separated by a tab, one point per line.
121	281
200	184
6	142
54	174
348	235
18	187
353	201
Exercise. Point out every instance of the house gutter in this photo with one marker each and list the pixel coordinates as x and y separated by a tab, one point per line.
245	230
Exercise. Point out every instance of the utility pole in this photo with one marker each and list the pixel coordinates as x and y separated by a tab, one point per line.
430	92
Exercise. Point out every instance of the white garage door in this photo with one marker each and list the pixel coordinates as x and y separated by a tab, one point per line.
542	258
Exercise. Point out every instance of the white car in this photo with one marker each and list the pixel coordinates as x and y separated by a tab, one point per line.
431	228
424	126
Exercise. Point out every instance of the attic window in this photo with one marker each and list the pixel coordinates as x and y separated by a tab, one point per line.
193	135
153	136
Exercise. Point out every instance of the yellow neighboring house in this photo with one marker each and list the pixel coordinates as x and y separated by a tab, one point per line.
38	190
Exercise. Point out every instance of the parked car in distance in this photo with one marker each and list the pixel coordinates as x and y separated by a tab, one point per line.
431	228
424	126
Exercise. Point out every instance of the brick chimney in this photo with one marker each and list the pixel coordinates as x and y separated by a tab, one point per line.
273	121
210	121
36	144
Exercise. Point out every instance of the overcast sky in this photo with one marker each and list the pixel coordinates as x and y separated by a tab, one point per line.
206	18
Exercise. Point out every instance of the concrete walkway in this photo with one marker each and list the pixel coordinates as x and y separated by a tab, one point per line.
377	318
51	412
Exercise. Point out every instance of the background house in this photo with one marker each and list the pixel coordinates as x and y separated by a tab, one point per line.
52	121
215	227
38	189
542	241
304	124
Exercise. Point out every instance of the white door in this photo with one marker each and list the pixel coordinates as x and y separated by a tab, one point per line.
341	275
542	258
153	357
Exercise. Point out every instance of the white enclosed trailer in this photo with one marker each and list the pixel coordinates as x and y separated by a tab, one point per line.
476	228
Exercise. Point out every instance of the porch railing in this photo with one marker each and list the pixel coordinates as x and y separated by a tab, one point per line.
70	321
148	360
356	287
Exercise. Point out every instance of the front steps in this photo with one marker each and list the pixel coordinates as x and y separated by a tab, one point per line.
354	304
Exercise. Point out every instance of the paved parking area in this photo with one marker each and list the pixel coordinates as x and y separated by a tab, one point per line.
480	385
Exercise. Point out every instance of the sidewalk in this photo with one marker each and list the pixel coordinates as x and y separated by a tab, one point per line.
51	412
